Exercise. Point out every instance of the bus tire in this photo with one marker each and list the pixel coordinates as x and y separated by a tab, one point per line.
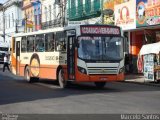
61	80
100	84
27	75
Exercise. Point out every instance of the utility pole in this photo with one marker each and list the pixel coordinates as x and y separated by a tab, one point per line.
4	24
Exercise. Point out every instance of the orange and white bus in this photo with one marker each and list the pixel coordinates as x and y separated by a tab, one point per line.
82	53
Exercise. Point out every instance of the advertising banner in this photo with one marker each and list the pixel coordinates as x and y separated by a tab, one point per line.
125	15
149	67
147	12
29	23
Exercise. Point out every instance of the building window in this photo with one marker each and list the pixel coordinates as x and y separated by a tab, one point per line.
50	10
9	21
6	21
54	10
23	44
12	19
46	13
88	6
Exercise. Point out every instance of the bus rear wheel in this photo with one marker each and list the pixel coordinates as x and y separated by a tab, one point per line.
27	75
100	84
61	80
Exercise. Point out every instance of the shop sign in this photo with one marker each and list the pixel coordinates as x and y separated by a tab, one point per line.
125	15
147	12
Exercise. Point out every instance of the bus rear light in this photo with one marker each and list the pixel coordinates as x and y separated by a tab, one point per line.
82	70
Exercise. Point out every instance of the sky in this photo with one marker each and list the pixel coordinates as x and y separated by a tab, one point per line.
2	1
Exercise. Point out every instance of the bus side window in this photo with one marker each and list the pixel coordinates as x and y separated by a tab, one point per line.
30	43
49	42
39	43
60	41
23	44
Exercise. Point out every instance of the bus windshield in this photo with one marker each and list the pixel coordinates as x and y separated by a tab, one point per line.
100	48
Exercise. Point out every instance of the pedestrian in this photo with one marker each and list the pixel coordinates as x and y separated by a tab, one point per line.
5	64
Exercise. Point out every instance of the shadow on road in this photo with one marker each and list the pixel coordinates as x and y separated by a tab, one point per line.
14	89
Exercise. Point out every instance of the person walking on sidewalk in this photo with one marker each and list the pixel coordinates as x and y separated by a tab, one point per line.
5	64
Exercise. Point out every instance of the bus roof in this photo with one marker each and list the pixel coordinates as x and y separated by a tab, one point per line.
38	32
74	27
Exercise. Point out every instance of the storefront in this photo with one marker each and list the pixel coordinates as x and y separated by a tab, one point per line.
140	21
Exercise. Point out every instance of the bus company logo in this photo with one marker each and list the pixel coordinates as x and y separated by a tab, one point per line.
57	58
100	30
124	17
103	70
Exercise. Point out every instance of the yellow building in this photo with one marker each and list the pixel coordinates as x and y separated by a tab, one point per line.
28	15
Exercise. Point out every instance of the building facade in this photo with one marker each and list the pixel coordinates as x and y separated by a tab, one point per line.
37	14
84	10
11	19
140	20
53	13
28	16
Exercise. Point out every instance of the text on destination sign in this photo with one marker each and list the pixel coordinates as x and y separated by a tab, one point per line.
100	30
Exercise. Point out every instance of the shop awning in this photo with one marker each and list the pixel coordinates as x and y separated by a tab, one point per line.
150	48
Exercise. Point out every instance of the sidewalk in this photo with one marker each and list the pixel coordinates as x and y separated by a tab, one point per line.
139	79
134	78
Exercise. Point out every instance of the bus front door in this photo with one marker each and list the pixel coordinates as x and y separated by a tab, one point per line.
18	57
71	57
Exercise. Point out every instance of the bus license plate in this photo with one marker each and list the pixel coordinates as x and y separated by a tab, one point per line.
103	78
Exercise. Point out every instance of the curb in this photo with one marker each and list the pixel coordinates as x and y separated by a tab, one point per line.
143	83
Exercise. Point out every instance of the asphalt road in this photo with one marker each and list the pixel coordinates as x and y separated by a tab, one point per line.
18	96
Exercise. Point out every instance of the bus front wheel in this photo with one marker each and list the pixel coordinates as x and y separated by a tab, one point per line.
100	84
61	80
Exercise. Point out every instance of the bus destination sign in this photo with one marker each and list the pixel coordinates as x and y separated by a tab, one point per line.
100	30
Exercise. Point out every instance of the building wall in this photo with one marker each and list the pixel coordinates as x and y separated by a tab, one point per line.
136	42
52	13
28	15
50	10
37	15
12	14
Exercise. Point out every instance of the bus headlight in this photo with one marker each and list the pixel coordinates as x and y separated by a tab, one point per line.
121	70
82	70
